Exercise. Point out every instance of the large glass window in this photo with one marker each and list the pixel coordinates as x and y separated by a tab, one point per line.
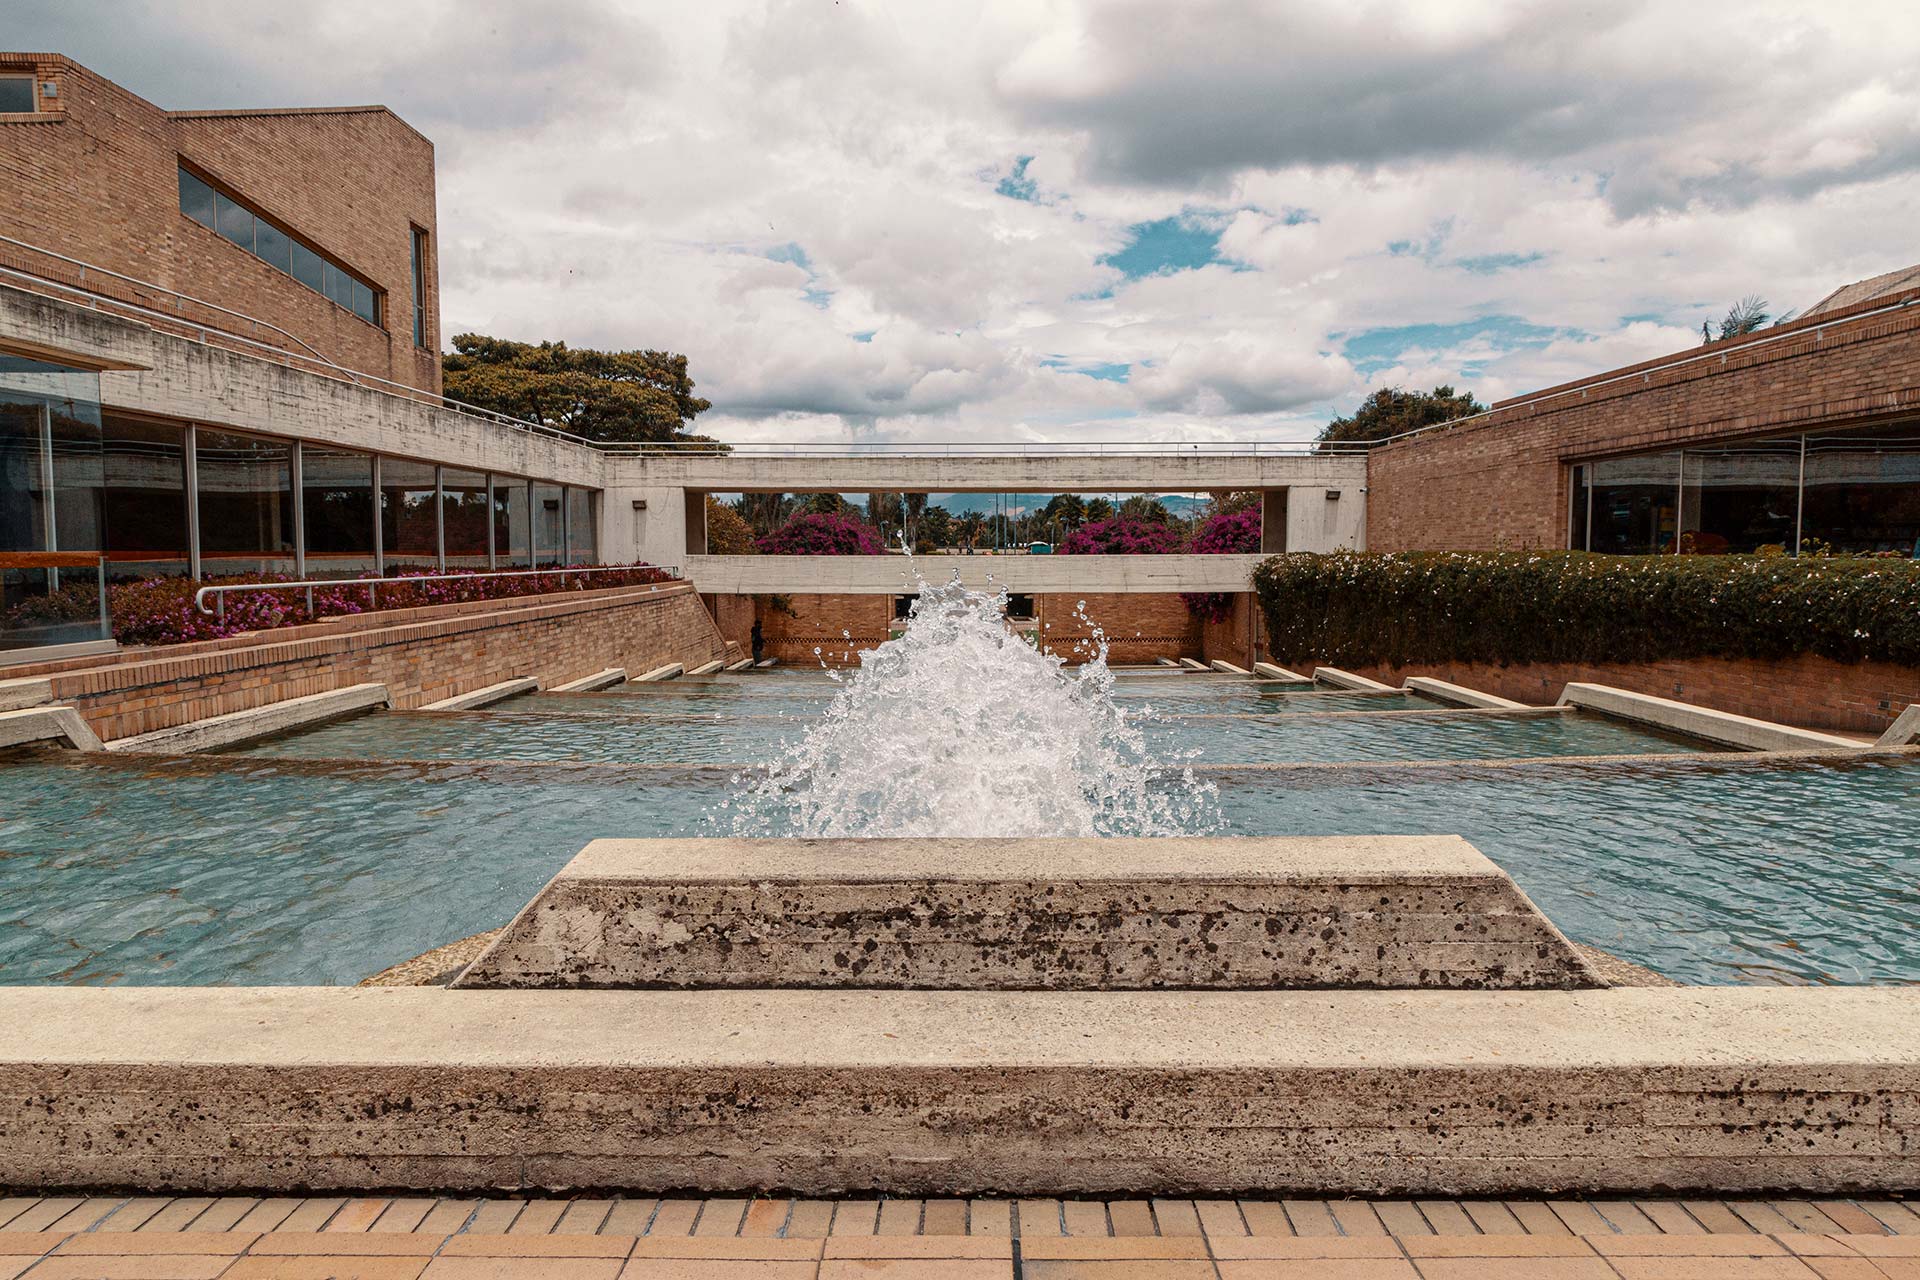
1863	492
1740	499
580	528
419	287
50	473
463	517
16	94
409	529
1634	504
146	496
274	244
245	488
549	524
512	528
336	493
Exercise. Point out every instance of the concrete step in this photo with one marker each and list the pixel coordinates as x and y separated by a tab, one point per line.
1058	914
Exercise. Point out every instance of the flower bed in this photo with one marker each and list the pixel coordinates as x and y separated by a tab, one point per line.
1357	609
153	611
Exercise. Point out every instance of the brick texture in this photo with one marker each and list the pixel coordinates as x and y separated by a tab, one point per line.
1501	481
422	655
94	176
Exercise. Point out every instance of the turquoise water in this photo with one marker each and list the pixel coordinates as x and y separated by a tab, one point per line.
686	736
237	870
799	696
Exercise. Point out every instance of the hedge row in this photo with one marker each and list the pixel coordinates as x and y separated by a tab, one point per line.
1518	607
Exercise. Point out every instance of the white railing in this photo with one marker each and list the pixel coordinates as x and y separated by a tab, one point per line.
219	594
994	449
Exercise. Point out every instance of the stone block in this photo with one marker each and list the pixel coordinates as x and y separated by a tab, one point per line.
1272	672
598	680
667	672
60	725
1722	727
1904	731
257	722
1347	680
1461	696
484	697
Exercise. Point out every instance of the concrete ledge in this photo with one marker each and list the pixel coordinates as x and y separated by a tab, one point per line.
707	668
667	672
257	722
1022	914
1166	662
743	665
1347	680
1461	696
1722	727
1904	731
598	680
28	725
1272	672
1430	1092
1191	665
1227	668
765	663
484	697
15	694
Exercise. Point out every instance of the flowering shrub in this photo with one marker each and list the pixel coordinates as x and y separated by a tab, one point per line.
1122	536
160	610
1227	534
818	534
1518	607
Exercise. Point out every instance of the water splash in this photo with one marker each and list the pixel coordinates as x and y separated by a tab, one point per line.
960	727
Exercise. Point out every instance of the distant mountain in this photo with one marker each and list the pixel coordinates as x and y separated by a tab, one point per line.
1180	504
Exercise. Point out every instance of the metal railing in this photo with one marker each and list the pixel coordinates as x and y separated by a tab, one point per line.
220	593
994	449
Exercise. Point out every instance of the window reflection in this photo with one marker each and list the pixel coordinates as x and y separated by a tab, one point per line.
336	489
245	488
409	531
464	517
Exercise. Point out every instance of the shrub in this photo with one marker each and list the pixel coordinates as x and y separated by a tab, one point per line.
818	534
728	533
1224	534
1519	607
153	611
1121	536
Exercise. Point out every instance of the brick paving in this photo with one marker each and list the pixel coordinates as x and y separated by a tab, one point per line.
617	1238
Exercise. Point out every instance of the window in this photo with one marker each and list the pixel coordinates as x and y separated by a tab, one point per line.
245	490
512	527
16	94
146	496
580	526
419	287
275	245
463	517
337	504
409	522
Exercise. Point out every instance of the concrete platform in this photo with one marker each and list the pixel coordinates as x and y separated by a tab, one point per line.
484	697
668	672
1461	696
1272	672
1347	680
257	722
30	692
1017	914
59	725
1722	727
598	680
1413	1092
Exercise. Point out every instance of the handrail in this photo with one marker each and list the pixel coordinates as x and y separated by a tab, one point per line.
221	592
1019	448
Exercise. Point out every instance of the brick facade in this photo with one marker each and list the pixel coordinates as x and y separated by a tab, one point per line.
422	655
94	176
1500	482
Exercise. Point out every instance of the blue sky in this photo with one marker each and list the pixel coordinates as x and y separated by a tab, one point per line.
1076	220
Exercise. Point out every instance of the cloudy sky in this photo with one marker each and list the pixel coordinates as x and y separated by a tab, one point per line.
1049	219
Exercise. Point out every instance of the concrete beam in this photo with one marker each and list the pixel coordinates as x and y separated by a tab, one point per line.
304	1090
1347	680
1008	472
21	727
1191	664
1272	672
598	680
44	329
1722	727
1166	662
257	722
896	575
667	672
1459	695
745	664
1055	914
1904	731
764	663
1227	668
33	691
707	668
484	697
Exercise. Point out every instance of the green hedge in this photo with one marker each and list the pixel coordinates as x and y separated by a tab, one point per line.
1519	607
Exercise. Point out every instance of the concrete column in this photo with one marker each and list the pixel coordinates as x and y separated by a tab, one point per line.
696	518
1273	521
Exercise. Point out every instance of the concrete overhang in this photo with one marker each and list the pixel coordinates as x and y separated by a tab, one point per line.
895	575
1117	472
41	328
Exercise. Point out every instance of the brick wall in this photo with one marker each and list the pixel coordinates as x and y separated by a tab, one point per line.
1500	482
95	177
1239	638
1810	691
838	625
421	655
734	615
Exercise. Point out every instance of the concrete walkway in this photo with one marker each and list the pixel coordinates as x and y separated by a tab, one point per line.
906	1239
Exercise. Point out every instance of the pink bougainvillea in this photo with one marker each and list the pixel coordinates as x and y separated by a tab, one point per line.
1231	533
1122	536
818	534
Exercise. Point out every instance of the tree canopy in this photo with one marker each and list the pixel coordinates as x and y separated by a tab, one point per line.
1393	410
1749	315
626	397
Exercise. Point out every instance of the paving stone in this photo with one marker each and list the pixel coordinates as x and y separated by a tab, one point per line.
554	1246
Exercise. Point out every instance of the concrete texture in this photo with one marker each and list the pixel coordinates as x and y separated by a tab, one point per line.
1227	668
1904	731
1272	672
1015	914
598	680
29	725
484	697
707	668
1461	696
1192	664
667	672
1347	680
743	665
1722	727
894	575
1415	1092
258	722
31	692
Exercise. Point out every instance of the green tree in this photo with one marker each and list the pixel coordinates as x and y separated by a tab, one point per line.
1098	509
728	533
1067	508
1749	315
934	528
1392	411
1142	507
627	397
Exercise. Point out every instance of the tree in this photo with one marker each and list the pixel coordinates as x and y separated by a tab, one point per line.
1142	507
728	533
934	528
828	504
1391	411
1749	315
627	397
1068	509
1098	509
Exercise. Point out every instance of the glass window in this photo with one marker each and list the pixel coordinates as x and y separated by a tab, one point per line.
23	475
146	496
409	532
233	221
336	491
1635	504
196	199
548	525
463	517
1737	500
580	529
1576	510
340	286
363	303
309	268
1863	492
16	94
419	287
245	486
49	414
273	245
511	544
